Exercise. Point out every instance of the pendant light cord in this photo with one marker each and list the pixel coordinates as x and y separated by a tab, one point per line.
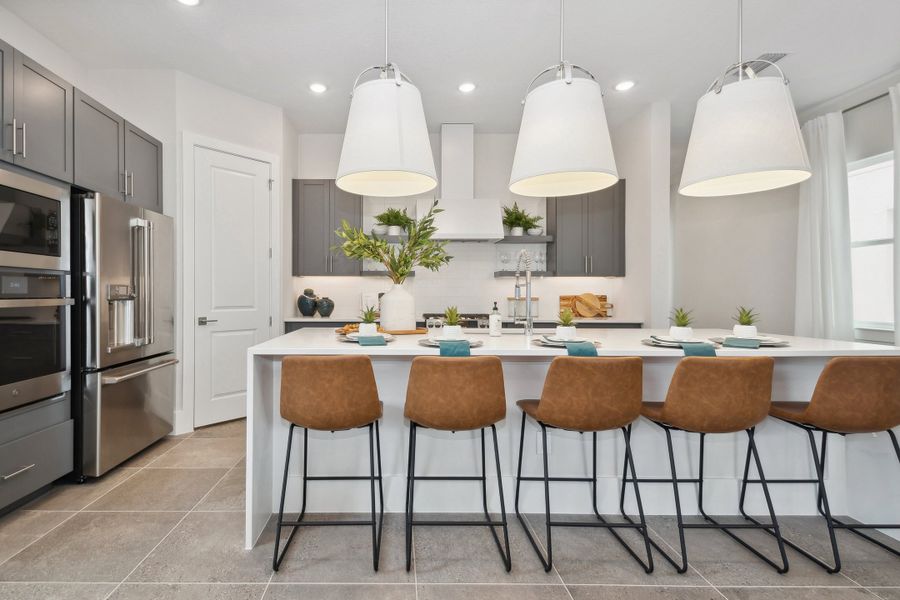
562	37
387	32
740	40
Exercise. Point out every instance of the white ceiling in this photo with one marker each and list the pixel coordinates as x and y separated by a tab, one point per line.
273	49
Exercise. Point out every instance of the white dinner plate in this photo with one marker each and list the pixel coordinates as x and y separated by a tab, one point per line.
763	340
558	340
549	344
665	339
436	342
353	336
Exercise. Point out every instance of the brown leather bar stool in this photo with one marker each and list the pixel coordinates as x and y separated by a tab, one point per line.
852	395
330	393
715	395
586	395
456	394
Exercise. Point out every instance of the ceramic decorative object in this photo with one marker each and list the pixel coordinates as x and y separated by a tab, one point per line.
745	331
536	231
681	333
366	329
398	309
394	230
325	306
565	332
307	303
379	229
452	332
516	231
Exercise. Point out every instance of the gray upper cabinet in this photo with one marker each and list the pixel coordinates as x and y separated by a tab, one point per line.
6	101
589	233
319	207
143	168
42	113
99	147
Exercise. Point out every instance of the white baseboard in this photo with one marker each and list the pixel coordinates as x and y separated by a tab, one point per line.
184	423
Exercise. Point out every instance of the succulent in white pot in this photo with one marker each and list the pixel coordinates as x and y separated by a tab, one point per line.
565	328
681	329
379	229
746	323
368	326
395	220
451	330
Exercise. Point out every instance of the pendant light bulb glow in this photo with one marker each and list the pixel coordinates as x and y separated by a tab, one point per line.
386	150
745	137
564	147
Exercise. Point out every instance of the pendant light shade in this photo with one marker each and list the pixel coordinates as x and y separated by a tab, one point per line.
564	146
745	139
386	150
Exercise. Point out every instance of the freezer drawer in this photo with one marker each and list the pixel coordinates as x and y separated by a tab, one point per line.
31	462
125	410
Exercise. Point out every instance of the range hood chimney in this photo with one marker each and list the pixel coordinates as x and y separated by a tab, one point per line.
464	218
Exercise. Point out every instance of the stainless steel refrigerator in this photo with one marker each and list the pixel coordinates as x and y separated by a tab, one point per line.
123	272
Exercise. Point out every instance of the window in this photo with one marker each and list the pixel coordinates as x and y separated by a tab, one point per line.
871	189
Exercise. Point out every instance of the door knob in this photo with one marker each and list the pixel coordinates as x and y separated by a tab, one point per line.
205	321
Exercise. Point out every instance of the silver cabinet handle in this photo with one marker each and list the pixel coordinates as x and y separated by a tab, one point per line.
125	182
24	140
19	472
127	374
15	138
205	321
585	264
131	177
592	265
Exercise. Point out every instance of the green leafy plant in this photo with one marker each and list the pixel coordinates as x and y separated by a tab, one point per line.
369	314
681	317
451	316
417	250
513	216
566	317
394	217
746	316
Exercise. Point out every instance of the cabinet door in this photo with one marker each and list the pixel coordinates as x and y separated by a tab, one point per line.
6	101
143	164
606	231
344	207
311	216
99	147
43	112
570	244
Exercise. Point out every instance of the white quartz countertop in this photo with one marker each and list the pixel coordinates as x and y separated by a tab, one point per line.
356	319
613	342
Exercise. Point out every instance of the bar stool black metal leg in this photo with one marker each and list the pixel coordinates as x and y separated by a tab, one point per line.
376	534
410	484
507	556
549	564
519	470
629	459
680	519
776	530
276	559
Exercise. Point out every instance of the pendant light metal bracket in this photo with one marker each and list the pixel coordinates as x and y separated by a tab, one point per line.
398	75
565	71
741	69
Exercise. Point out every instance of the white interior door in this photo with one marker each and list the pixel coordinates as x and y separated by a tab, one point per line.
232	276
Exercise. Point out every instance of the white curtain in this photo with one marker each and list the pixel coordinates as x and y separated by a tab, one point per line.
824	301
895	107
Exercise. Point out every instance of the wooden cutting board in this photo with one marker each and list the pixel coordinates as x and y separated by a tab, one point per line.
586	305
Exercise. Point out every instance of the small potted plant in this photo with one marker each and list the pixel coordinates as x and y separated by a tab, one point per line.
368	325
565	328
746	323
451	330
395	219
518	220
681	329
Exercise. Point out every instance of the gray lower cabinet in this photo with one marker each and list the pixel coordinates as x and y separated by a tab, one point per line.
589	233
319	206
6	101
143	168
42	119
99	147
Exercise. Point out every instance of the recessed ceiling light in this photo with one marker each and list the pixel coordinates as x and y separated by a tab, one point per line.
317	88
624	86
467	87
190	2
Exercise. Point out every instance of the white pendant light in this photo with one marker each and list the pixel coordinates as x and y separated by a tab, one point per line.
386	150
745	136
564	146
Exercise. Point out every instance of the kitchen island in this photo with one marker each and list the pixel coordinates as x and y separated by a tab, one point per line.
784	449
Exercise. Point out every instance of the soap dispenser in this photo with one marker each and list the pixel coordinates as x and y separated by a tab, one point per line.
495	322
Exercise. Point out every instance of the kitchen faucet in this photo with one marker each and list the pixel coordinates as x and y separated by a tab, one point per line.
524	257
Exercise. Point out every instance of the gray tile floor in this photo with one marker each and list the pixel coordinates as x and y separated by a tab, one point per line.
168	525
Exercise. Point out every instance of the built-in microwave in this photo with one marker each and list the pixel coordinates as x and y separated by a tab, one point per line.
34	223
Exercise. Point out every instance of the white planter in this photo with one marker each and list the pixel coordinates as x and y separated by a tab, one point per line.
366	329
745	331
394	230
380	229
565	332
398	309
452	332
536	231
516	231
681	333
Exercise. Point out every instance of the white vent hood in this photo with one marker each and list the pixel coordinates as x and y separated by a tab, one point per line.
464	218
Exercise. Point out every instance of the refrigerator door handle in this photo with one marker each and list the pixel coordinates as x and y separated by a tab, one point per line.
148	276
139	242
126	374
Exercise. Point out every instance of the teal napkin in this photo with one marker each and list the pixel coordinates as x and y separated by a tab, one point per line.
698	349
581	349
455	348
371	340
736	342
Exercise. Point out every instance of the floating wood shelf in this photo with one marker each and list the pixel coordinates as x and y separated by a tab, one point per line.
522	273
526	239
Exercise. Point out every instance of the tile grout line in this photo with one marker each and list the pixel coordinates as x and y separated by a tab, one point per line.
555	570
268	583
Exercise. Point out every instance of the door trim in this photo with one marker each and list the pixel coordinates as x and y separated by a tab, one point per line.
185	252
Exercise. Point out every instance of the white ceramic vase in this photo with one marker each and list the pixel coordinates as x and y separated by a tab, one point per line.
367	329
565	332
745	331
394	230
398	309
516	231
681	334
536	231
379	229
452	332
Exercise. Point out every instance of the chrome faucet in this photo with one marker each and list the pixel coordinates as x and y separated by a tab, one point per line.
524	258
